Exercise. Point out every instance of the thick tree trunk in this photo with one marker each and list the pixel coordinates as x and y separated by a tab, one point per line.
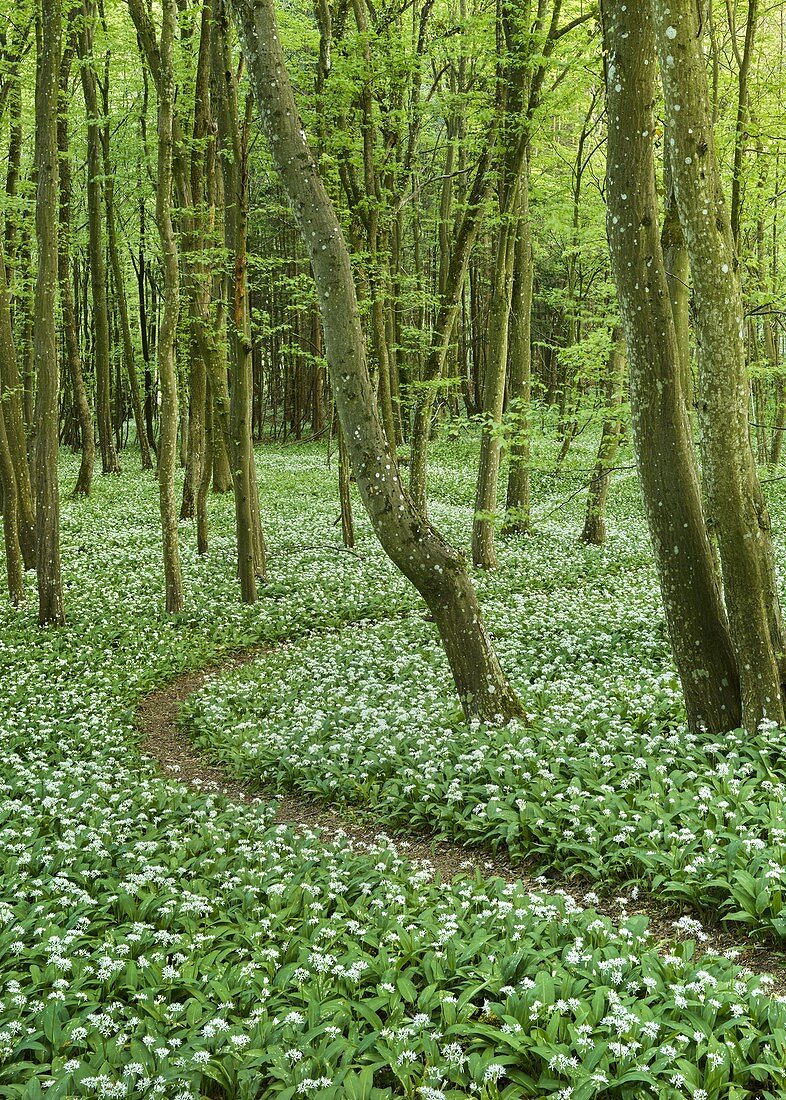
690	586
47	411
739	514
594	530
434	567
675	257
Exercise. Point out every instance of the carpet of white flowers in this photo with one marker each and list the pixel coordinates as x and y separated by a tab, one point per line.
159	942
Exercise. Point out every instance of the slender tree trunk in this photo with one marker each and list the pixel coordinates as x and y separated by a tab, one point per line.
433	566
13	554
517	504
595	517
122	309
207	468
233	145
11	393
141	274
199	280
47	411
484	554
447	313
344	494
98	281
167	337
690	586
84	479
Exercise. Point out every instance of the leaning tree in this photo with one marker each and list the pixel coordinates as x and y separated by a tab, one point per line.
435	568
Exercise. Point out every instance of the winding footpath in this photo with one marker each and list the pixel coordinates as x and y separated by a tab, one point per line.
165	743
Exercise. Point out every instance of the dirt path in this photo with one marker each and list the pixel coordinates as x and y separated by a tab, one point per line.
164	742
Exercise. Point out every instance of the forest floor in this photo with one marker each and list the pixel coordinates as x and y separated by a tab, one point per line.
169	744
277	930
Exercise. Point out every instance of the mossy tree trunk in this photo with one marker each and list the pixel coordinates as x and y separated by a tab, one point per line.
737	509
668	468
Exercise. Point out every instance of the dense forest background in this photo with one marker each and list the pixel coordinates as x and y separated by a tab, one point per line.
378	224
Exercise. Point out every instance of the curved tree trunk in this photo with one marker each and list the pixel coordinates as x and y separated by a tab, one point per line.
419	551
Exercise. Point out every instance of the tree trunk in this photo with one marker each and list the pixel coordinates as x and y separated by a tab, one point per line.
11	393
484	554
594	530
98	282
167	337
434	567
344	495
234	155
84	479
13	553
517	504
447	312
122	309
675	258
47	411
739	514
690	586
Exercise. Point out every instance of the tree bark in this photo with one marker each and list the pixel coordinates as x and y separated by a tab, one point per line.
84	479
434	567
594	530
517	504
47	411
98	282
13	554
167	337
668	470
233	159
11	396
122	303
739	514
